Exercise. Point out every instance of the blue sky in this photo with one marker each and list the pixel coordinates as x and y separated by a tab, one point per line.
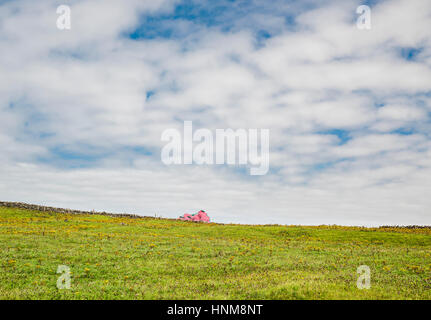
226	15
82	112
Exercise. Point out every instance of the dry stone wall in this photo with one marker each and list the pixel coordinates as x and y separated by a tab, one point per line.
22	205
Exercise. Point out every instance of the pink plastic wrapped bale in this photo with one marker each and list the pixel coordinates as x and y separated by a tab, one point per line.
200	216
186	216
203	216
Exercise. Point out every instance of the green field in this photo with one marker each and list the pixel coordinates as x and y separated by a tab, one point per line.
129	258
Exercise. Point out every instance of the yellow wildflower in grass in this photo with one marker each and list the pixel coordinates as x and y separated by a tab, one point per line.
387	268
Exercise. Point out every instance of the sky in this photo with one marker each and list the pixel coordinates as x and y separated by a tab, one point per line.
82	111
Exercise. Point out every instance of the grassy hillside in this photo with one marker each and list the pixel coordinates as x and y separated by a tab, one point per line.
126	258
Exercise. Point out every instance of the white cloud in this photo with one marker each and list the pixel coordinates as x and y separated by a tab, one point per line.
85	91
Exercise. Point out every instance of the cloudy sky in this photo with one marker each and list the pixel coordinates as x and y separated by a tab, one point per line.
349	111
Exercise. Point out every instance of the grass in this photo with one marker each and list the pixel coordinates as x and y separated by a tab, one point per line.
126	258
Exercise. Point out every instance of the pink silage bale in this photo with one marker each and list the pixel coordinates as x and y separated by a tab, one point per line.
186	216
205	218
200	216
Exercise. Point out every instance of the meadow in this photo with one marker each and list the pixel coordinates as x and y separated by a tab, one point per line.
149	258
